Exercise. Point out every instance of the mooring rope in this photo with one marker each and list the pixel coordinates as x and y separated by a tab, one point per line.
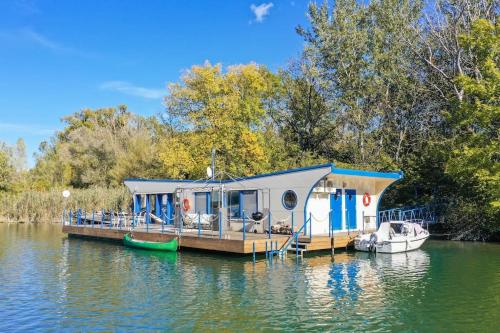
323	218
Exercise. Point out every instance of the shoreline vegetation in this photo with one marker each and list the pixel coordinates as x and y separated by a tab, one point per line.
48	206
383	85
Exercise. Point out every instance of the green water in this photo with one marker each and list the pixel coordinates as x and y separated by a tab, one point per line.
53	283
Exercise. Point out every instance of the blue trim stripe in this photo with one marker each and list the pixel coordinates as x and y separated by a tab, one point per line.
364	173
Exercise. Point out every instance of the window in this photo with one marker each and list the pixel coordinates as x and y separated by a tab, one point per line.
215	202
233	204
239	201
201	203
289	199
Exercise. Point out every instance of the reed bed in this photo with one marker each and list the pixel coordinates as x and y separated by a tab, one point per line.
32	206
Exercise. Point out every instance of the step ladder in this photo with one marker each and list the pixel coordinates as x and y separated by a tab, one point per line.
299	247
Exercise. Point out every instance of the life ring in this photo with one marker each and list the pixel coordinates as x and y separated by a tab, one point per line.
185	205
366	199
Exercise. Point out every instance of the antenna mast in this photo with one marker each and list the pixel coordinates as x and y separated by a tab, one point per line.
213	163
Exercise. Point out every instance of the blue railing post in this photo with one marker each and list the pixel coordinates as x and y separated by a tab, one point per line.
70	216
330	224
102	218
110	218
163	219
244	227
85	217
220	224
266	250
293	223
93	218
254	251
199	224
271	253
310	225
269	222
297	244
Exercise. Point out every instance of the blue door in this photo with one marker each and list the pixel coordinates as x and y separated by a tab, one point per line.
350	209
336	207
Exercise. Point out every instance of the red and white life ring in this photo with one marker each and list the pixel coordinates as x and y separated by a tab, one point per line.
185	205
366	199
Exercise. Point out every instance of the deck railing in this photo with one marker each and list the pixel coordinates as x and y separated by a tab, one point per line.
204	225
413	214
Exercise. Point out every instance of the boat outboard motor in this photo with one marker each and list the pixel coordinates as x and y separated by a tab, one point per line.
373	242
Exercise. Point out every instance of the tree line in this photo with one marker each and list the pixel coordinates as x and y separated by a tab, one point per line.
383	85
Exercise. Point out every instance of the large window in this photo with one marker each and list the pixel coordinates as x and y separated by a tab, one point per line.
239	201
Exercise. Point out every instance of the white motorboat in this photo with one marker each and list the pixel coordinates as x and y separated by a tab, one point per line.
393	237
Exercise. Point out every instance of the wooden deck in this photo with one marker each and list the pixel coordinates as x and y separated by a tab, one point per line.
231	242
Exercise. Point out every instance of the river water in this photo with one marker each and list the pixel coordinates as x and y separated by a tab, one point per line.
52	283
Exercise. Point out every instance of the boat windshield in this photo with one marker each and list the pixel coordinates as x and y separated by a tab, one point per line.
397	227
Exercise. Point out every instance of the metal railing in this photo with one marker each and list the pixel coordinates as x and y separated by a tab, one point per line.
412	214
295	236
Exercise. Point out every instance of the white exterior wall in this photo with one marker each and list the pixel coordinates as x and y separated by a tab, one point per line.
361	184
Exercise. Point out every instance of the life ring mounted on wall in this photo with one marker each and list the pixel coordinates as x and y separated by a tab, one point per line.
185	205
366	199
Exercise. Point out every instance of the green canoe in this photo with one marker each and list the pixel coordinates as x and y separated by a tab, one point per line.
168	246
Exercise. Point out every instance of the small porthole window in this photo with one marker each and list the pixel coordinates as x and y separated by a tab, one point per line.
289	199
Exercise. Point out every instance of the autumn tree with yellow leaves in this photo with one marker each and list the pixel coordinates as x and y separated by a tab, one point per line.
224	110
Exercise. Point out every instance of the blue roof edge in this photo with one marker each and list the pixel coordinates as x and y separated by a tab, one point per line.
366	173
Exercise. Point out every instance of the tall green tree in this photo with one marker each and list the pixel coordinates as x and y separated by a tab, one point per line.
368	76
474	162
99	148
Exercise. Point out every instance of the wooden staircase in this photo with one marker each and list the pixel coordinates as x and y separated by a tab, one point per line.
300	247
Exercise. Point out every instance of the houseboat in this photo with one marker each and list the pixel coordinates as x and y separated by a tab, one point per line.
322	206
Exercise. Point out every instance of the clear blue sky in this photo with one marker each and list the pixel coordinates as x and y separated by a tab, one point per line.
57	57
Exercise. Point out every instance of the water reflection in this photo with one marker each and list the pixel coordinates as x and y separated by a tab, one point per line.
344	280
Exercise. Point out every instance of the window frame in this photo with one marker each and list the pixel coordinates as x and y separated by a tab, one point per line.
208	202
241	206
283	200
